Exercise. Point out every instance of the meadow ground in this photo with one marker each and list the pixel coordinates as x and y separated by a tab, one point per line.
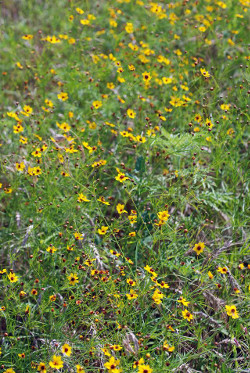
124	187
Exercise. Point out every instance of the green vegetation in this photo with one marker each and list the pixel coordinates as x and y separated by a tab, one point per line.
124	186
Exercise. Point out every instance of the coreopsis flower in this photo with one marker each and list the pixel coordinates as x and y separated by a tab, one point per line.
18	128
12	277
66	349
82	198
91	149
140	139
9	370
103	230
7	190
110	85
79	11
23	140
73	279
89	262
33	171
56	362
78	236
22	355
112	23
187	315
20	166
232	311
199	247
101	162
157	296
162	284
37	153
168	348
131	282
63	96
52	39
33	292
113	252
230	132
205	73
120	209
42	367
106	351
202	28
27	37
132	294
163	217
210	275
43	148
225	106
144	369
131	113
12	114
116	347
134	47
22	294
132	234
150	270
85	22
27	110
129	27
121	177
208	123
51	249
112	365
137	363
102	200
19	65
64	126
79	369
132	218
64	37
125	133
71	150
131	67
48	103
167	80
146	76
97	104
91	17
222	270
221	4
183	301
198	118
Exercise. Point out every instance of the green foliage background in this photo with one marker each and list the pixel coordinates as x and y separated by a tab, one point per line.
173	162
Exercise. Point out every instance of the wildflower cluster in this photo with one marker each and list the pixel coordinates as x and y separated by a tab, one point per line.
124	188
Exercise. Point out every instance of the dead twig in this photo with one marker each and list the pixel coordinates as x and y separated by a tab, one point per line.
216	253
234	284
211	319
130	339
